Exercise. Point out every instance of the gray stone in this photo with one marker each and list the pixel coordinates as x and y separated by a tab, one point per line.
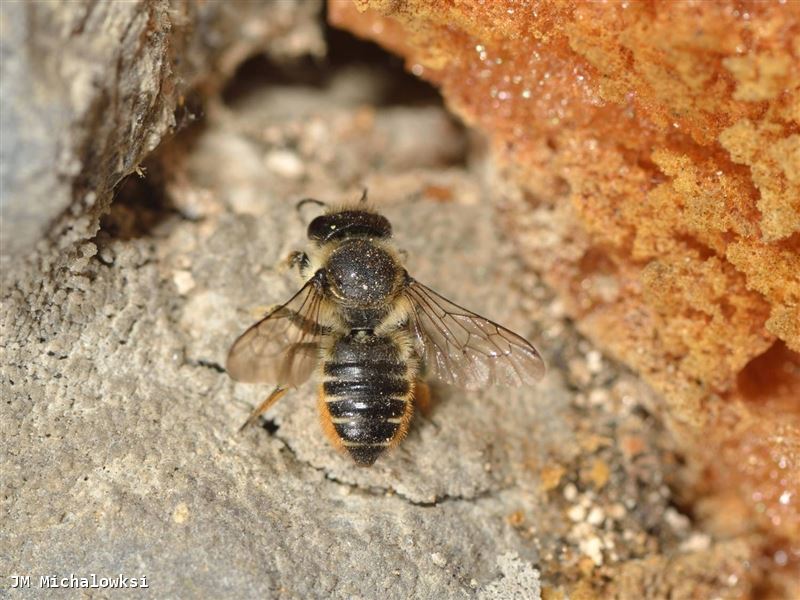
91	88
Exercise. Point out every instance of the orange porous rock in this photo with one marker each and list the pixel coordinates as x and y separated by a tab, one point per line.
655	150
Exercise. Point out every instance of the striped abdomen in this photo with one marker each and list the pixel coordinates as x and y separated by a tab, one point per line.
366	393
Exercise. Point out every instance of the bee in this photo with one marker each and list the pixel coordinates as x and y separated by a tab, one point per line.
373	333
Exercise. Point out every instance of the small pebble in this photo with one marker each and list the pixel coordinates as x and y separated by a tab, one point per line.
576	513
616	511
181	513
439	560
593	548
676	520
696	542
596	516
594	362
570	492
598	396
285	164
183	281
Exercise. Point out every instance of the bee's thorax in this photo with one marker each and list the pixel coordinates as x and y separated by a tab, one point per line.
361	274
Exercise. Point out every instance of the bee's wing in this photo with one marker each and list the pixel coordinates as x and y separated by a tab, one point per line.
282	348
467	350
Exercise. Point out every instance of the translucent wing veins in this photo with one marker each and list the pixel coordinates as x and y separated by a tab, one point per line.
464	349
283	347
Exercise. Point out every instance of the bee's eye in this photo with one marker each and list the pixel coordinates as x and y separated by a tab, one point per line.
320	228
349	223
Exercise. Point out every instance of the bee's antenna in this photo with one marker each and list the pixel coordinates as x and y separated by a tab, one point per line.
305	201
363	197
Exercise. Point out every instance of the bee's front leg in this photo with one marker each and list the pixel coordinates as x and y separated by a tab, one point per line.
296	260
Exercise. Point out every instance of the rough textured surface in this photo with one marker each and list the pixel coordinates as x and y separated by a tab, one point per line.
90	88
655	153
117	425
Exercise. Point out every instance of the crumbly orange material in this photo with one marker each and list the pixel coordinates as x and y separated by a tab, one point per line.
658	147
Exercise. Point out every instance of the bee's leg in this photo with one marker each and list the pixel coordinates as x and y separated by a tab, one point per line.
294	260
264	407
422	397
297	260
363	199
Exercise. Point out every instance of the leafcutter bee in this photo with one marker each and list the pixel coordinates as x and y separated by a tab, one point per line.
372	333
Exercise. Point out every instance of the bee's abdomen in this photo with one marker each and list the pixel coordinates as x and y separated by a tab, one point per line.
367	394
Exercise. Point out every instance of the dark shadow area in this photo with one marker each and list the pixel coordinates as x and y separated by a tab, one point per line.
344	51
270	426
774	375
140	204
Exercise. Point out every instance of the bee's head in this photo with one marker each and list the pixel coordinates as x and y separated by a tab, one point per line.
343	224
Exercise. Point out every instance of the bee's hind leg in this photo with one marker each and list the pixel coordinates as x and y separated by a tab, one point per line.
422	397
276	395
